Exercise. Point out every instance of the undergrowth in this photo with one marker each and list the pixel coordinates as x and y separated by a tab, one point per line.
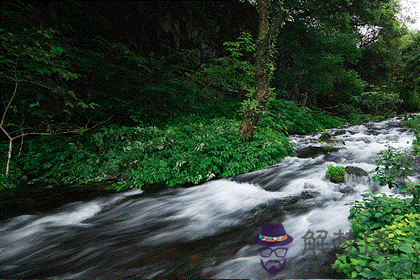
189	151
289	118
194	151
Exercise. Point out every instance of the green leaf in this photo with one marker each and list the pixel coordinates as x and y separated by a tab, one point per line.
36	104
406	248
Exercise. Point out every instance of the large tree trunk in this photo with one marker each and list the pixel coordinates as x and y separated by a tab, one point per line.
264	69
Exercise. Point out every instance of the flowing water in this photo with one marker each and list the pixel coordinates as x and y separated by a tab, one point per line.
207	230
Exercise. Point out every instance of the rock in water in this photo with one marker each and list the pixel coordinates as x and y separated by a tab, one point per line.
356	171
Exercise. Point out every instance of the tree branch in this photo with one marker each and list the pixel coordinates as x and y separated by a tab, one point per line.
60	132
8	105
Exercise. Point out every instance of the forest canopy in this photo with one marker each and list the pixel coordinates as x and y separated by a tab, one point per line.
69	68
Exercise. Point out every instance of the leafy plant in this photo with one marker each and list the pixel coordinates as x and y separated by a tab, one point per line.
336	174
393	251
410	81
394	165
34	71
376	101
229	76
325	136
290	118
7	182
377	210
193	151
386	233
328	148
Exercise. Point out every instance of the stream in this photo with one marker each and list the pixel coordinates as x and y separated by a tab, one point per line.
206	231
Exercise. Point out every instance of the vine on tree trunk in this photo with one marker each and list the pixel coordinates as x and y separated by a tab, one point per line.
255	105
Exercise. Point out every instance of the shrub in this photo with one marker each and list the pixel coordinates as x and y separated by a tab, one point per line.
392	251
394	165
377	210
377	102
289	118
7	182
191	152
336	174
204	150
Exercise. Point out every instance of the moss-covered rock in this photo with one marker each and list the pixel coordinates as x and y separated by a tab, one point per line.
336	174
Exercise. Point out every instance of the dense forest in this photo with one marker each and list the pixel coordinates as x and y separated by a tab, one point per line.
138	93
162	94
131	69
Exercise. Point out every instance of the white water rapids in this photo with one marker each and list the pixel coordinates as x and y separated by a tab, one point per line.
203	231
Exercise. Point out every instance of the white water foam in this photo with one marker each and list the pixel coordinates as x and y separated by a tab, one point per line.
209	208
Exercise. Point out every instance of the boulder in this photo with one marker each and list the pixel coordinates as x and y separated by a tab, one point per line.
309	194
346	190
314	151
356	171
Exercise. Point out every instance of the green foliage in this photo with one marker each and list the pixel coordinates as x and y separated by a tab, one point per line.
312	66
243	44
377	210
328	148
390	252
394	165
289	118
377	102
232	76
392	249
410	82
325	136
36	60
415	124
159	89
7	182
159	79
191	152
226	76
336	174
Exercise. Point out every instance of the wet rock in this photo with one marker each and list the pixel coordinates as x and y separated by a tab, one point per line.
309	194
325	136
313	152
339	132
357	171
347	190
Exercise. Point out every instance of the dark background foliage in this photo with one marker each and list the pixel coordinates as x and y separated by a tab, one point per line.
160	63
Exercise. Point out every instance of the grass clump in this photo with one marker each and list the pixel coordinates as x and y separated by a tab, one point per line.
336	174
325	136
328	148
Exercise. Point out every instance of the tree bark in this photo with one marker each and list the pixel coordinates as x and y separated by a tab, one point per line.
264	70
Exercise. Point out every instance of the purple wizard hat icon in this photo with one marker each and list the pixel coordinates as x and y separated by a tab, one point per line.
273	235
